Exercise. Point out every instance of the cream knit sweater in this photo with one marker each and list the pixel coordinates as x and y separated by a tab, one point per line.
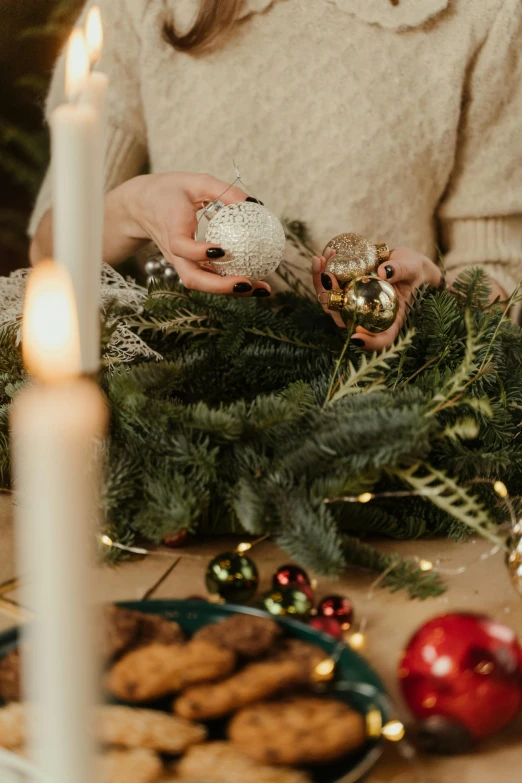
397	119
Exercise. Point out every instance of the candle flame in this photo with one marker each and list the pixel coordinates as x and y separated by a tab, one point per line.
77	65
50	340
94	34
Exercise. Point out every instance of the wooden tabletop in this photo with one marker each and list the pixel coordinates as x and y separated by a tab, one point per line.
392	618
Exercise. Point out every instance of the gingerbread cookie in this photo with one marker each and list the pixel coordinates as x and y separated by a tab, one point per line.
221	762
259	680
126	629
129	766
298	730
158	669
247	635
129	727
10	682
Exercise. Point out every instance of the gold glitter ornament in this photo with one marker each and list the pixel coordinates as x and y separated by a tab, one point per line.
368	302
355	256
514	558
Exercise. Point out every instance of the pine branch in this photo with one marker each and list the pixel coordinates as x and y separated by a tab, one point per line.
404	574
446	494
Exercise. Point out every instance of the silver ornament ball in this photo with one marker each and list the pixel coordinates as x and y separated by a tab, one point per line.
169	273
153	267
252	237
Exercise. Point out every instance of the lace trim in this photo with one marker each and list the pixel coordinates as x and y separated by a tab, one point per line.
124	345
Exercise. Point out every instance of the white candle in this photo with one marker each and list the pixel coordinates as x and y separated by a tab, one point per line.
75	213
54	427
95	95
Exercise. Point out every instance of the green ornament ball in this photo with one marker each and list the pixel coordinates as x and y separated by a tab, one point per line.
287	601
233	576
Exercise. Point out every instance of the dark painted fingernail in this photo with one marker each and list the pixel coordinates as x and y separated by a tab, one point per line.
358	342
389	271
215	252
254	201
261	292
242	288
326	281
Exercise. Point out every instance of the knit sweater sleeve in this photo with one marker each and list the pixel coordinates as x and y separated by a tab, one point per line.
126	142
481	215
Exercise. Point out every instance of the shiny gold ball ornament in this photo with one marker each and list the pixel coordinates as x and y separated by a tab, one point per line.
368	302
355	256
514	558
252	237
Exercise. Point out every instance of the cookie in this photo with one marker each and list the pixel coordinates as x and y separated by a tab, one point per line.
299	730
221	762
129	727
154	628
10	680
129	766
158	669
126	629
247	635
257	681
119	629
12	726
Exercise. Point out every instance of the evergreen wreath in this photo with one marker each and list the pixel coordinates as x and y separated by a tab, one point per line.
259	411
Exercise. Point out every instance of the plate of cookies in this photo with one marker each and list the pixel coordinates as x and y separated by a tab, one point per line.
204	693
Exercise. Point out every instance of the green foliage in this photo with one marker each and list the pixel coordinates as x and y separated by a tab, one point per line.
24	151
235	429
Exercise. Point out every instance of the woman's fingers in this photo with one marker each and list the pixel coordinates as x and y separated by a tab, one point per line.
205	187
323	282
197	278
408	266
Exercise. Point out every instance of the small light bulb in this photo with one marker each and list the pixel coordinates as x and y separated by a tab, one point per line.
357	641
425	565
243	547
393	731
365	497
374	723
324	670
500	488
106	540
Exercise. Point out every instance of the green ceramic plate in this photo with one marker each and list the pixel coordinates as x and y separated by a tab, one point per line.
356	683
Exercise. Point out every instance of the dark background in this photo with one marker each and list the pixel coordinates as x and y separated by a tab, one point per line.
32	33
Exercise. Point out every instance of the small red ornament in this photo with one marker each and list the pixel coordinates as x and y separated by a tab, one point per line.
327	625
337	607
174	540
462	670
290	576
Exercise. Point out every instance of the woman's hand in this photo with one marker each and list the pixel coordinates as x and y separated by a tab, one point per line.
163	208
407	270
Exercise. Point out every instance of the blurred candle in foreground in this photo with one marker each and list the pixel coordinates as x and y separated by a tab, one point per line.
95	95
54	429
75	213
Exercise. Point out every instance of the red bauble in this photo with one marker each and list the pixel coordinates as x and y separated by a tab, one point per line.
337	607
327	625
463	670
174	540
290	576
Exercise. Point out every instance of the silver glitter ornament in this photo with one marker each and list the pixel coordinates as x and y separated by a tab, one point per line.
252	237
355	256
368	302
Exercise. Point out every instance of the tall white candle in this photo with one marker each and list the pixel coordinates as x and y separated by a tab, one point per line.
75	213
95	95
54	427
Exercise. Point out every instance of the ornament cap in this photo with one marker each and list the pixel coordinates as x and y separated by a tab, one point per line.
336	300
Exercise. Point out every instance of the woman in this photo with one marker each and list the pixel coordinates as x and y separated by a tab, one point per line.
396	119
